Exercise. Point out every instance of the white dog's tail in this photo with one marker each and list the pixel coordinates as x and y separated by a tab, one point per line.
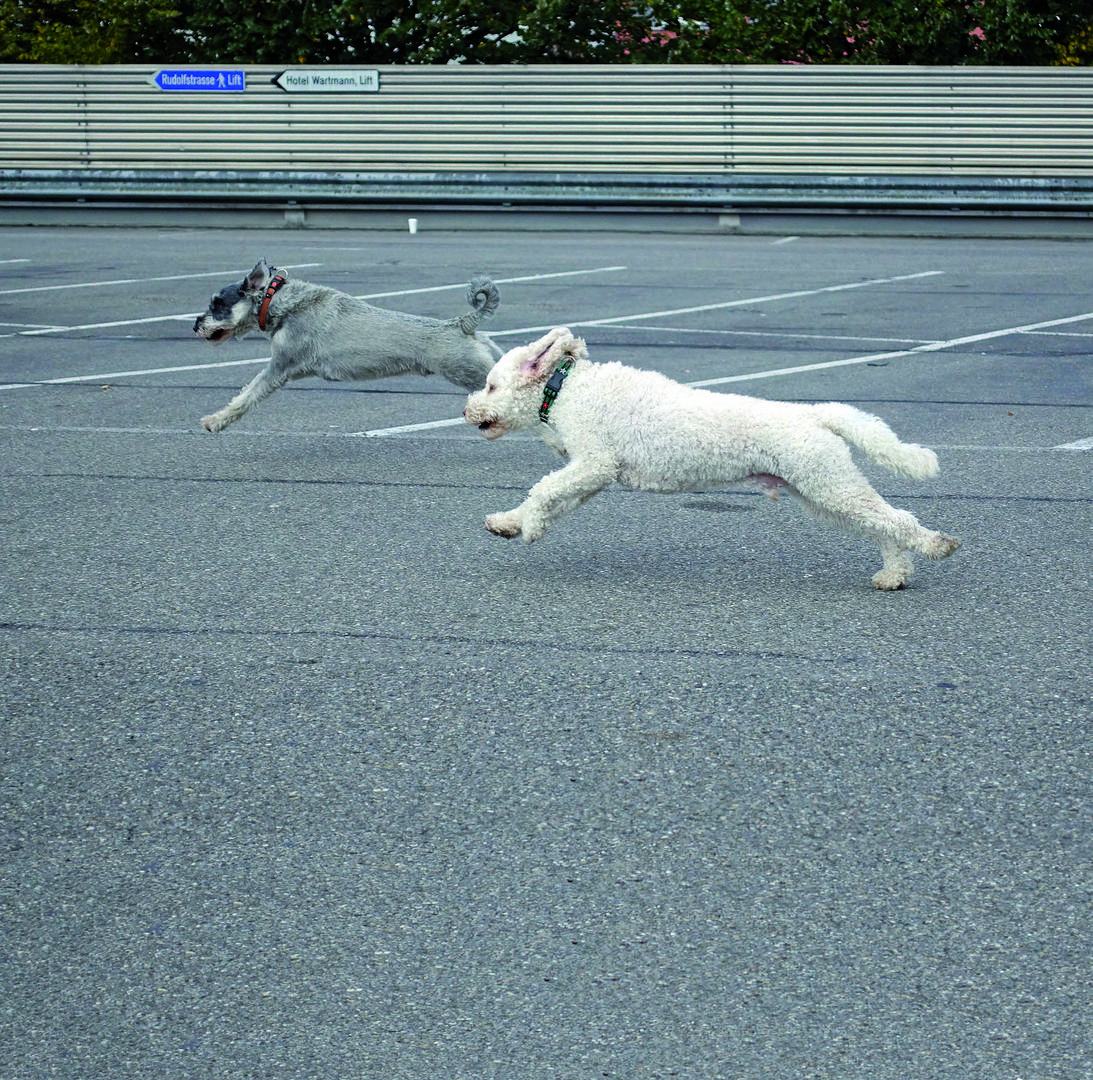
483	297
877	439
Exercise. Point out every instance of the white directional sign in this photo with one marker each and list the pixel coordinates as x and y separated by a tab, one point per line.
327	81
222	80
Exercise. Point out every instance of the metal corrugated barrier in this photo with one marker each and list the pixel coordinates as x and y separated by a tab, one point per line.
844	119
594	129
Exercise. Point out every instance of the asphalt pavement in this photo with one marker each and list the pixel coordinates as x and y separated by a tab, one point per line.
306	775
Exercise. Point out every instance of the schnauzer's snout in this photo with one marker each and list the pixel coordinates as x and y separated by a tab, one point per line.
197	323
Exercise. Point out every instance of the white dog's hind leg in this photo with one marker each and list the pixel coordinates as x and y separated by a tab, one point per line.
551	497
897	569
898	565
852	504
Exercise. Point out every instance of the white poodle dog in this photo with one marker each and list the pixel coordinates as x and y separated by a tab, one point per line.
617	424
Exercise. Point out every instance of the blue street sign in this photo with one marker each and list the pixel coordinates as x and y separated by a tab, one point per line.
224	81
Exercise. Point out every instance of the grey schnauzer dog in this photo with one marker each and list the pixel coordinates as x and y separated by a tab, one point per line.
316	330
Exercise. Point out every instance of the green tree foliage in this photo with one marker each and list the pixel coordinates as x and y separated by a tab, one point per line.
256	31
547	31
877	31
89	31
1079	49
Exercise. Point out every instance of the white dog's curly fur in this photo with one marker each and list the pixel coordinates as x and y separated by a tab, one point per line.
618	424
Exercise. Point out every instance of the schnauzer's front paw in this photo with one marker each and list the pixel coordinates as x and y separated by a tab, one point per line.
505	524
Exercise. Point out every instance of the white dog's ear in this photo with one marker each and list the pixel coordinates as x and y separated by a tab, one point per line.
576	348
534	369
540	363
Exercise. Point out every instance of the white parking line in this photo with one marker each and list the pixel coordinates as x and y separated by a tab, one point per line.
934	346
103	376
497	281
133	281
1081	444
782	334
105	325
367	296
796	294
427	426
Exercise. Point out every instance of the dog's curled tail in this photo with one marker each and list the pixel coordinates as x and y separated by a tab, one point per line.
483	297
878	440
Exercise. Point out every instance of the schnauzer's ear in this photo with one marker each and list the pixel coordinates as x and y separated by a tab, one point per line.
255	281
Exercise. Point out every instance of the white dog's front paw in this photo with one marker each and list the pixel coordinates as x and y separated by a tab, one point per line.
889	580
215	422
533	526
504	524
941	546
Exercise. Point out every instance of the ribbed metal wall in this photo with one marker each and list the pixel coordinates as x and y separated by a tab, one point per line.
844	120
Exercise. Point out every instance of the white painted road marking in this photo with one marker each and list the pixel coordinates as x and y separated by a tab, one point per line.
427	426
934	346
185	317
134	281
496	281
796	294
784	334
103	376
75	429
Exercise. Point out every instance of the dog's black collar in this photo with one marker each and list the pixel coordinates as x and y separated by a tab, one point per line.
553	386
277	281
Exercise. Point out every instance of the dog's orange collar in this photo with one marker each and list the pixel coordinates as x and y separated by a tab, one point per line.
277	281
